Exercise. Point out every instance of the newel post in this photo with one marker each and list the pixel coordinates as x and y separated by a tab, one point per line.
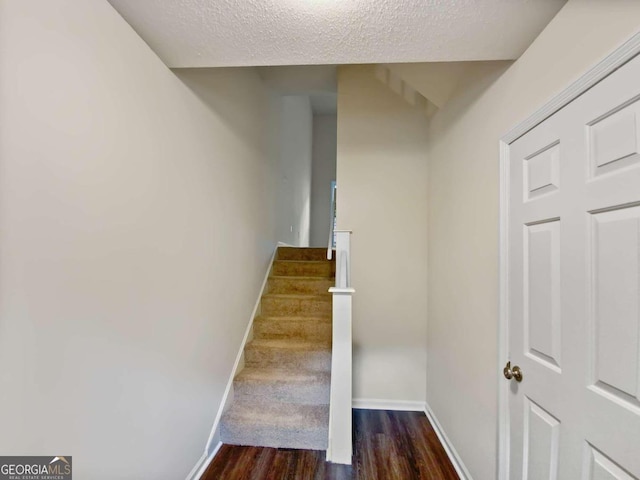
340	449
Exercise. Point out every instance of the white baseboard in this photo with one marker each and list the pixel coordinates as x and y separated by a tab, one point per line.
202	465
461	470
213	443
378	404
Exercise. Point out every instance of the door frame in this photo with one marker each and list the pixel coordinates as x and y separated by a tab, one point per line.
601	70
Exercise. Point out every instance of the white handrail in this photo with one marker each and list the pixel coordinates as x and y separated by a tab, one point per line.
331	222
340	449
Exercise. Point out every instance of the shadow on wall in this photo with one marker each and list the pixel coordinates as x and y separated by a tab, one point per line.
325	136
207	83
480	76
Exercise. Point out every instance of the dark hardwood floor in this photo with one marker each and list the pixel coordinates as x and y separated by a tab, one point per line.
388	445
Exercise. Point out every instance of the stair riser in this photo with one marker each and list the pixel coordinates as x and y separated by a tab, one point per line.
263	393
277	438
318	286
303	269
310	254
307	330
294	307
319	361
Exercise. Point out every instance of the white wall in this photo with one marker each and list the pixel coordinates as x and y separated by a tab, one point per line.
294	200
136	224
463	214
382	197
323	170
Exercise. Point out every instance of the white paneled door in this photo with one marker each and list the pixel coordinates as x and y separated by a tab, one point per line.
574	288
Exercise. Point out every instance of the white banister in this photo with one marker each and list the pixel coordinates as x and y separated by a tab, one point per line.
340	448
332	221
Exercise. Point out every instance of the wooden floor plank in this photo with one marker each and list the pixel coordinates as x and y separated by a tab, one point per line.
388	445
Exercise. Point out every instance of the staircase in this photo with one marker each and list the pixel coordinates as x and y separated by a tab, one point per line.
281	396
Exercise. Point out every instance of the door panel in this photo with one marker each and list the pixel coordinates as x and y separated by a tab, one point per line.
541	443
615	331
542	292
574	288
541	172
601	467
613	140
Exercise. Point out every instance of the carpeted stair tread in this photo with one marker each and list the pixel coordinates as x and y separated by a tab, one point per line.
264	384
289	345
288	353
296	253
277	425
293	318
297	296
301	277
282	284
303	268
306	328
298	305
281	375
302	261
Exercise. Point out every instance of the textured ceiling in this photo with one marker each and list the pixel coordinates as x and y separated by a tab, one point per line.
214	33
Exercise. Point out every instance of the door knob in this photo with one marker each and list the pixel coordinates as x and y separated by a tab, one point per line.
512	372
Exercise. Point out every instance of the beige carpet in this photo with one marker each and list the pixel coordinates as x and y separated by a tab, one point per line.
281	397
